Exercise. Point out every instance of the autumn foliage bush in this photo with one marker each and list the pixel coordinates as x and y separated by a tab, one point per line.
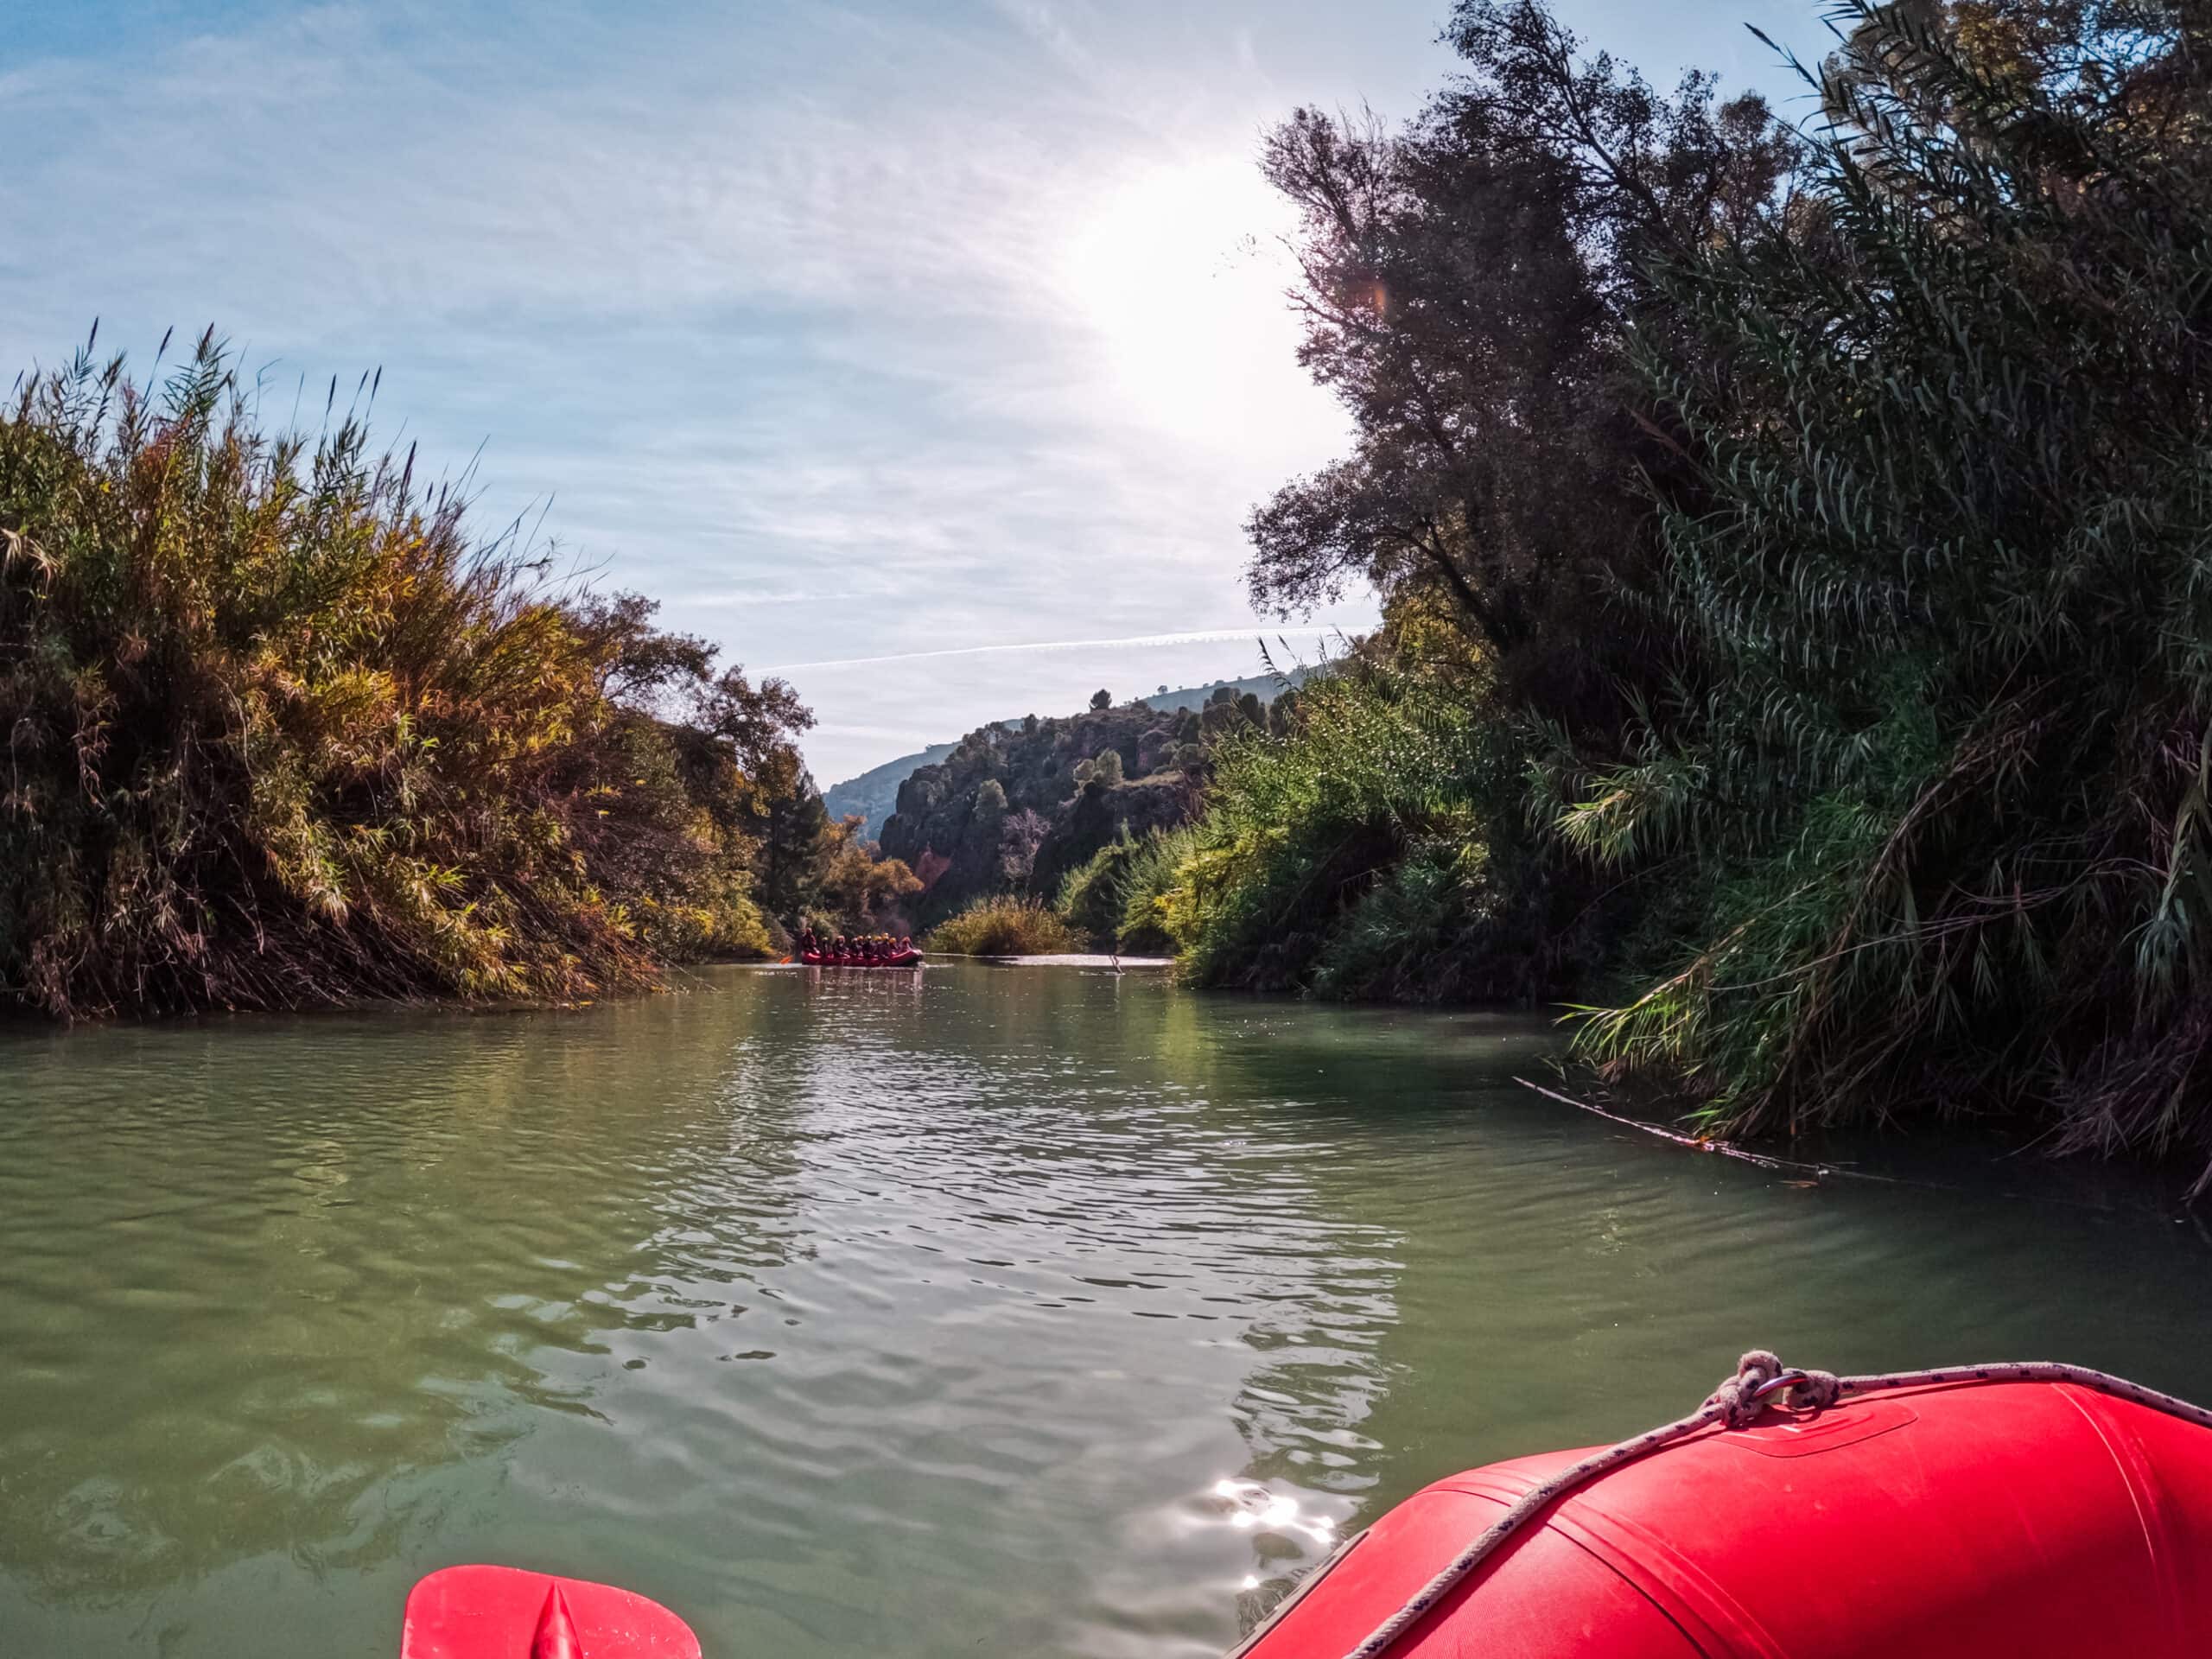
279	731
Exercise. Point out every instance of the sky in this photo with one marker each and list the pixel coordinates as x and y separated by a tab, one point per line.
929	355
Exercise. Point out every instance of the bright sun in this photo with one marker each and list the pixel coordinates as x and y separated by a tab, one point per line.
1181	272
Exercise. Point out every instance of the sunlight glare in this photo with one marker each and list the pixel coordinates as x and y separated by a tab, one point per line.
1181	272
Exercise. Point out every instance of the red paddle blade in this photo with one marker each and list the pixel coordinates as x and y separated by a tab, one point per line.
503	1613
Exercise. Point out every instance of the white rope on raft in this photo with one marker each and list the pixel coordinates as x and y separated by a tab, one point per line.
1736	1404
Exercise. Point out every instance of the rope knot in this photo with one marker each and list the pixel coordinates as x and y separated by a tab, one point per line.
1757	1367
1816	1390
1738	1401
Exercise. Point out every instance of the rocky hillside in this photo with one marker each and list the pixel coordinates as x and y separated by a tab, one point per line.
874	796
1015	809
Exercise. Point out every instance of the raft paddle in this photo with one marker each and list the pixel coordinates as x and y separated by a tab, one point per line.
503	1613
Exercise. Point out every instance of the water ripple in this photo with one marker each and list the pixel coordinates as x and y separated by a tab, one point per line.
976	1310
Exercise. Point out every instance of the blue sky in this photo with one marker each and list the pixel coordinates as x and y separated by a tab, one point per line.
849	332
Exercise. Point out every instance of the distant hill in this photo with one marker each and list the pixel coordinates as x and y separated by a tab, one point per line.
1266	686
875	794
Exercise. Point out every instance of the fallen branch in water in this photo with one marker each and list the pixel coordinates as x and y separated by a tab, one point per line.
1697	1143
1806	1173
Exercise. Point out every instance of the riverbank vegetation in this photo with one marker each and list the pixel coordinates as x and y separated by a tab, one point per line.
1003	926
1114	898
1795	546
281	732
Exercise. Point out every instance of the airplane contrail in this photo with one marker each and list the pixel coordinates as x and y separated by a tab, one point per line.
1205	636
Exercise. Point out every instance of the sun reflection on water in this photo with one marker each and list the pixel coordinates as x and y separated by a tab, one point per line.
1249	1506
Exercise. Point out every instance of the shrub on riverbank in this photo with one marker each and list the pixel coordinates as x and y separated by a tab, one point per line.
1003	927
280	733
1114	898
1941	808
1825	520
1376	849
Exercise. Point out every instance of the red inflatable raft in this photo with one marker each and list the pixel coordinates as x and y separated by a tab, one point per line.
2035	1520
838	959
2031	1511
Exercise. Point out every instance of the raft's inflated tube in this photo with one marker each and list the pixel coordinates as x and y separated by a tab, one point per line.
2036	1520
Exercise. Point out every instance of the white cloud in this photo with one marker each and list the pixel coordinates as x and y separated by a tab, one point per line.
850	333
1138	642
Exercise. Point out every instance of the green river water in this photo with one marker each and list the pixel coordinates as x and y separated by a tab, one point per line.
984	1311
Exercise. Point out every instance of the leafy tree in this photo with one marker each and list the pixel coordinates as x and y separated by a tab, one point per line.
1940	803
1468	285
1472	289
1320	848
643	664
798	840
758	724
1115	899
1102	699
859	892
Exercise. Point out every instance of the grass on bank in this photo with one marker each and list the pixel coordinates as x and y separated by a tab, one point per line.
1003	927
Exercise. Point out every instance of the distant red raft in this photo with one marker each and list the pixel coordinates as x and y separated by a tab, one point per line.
503	1613
2032	1520
819	959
